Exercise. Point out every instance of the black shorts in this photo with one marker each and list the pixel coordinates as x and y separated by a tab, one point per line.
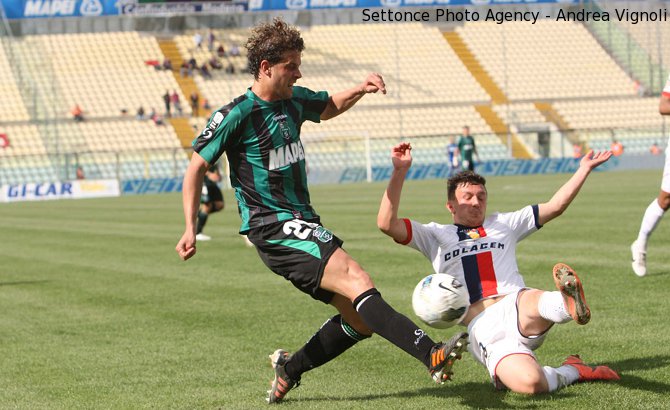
298	251
210	193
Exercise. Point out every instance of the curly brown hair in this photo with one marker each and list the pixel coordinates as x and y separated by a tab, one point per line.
269	41
463	178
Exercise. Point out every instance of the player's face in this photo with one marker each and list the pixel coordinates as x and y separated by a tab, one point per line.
469	206
285	74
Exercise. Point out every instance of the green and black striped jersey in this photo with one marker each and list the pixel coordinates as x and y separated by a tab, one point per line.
266	157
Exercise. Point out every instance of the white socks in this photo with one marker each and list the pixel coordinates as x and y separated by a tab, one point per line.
558	377
652	216
552	307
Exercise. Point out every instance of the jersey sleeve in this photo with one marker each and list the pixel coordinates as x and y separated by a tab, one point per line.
313	102
221	131
522	222
666	89
421	238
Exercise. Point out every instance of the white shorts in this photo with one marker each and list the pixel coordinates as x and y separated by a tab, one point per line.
494	335
665	184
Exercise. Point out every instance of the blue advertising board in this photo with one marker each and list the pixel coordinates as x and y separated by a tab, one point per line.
19	9
263	5
60	8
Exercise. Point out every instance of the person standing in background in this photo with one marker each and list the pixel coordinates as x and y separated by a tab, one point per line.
467	149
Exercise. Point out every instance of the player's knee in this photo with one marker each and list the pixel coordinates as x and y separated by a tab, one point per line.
359	278
530	383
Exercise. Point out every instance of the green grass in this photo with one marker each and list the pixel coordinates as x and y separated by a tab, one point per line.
99	312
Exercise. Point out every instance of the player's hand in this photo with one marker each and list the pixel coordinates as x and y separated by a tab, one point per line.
401	156
186	246
593	159
373	83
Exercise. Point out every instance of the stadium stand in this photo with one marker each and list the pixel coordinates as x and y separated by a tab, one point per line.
491	77
25	159
534	64
103	72
11	103
412	57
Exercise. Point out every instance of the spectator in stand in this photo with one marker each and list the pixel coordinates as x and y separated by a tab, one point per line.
197	39
166	100
205	71
576	150
167	65
183	69
156	118
80	172
210	40
655	149
215	63
616	148
206	105
192	65
4	140
220	51
194	103
77	113
639	88
230	68
234	50
140	113
176	102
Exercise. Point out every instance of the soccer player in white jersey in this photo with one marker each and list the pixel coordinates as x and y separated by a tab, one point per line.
506	321
657	207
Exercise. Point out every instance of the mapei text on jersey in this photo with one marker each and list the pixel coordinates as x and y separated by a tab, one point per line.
286	155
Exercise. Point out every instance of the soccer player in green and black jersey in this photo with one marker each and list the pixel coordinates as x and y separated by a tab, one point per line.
260	133
211	200
467	147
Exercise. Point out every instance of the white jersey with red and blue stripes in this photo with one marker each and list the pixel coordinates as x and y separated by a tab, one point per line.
484	258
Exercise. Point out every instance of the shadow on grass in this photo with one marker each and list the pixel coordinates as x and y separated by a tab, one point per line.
472	395
23	282
627	368
483	395
652	273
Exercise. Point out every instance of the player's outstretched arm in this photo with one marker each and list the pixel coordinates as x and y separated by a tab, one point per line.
387	217
564	196
191	190
346	99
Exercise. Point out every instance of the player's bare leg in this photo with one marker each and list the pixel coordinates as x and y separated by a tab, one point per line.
521	373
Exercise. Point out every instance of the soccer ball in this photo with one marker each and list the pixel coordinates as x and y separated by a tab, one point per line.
440	300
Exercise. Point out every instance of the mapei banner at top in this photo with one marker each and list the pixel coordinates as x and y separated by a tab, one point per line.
262	5
60	8
19	9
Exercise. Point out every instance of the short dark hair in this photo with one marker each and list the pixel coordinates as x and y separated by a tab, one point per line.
270	41
463	178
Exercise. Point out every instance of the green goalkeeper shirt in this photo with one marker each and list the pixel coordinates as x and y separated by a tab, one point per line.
266	157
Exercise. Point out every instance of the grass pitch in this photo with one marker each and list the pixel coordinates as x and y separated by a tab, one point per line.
99	312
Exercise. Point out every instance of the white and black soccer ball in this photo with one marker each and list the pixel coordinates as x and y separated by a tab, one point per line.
440	300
